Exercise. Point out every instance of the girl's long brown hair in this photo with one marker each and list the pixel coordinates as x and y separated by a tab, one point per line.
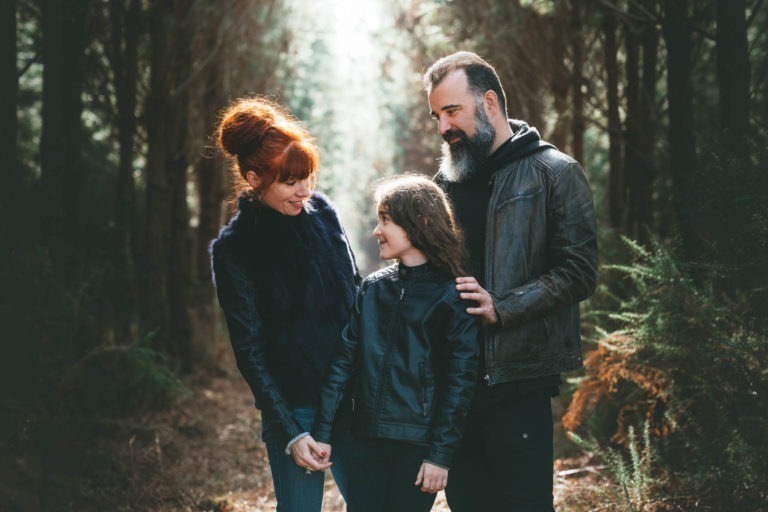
421	208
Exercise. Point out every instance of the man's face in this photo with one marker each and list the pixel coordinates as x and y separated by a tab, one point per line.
463	124
453	107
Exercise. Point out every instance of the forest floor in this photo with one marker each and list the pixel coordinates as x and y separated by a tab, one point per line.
202	455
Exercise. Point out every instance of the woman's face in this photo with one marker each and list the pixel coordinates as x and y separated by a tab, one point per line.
287	197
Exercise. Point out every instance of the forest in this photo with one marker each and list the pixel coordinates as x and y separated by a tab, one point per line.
112	191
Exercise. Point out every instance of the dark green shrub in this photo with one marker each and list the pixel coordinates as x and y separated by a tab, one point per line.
115	380
687	367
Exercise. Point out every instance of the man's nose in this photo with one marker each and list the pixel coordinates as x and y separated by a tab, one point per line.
443	125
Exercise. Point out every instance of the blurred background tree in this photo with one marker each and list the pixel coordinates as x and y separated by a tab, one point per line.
111	193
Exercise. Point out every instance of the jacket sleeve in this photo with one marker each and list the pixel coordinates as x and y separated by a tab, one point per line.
572	255
237	297
338	374
462	364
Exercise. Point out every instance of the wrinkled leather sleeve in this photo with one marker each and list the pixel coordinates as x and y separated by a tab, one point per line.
572	254
237	297
339	372
462	353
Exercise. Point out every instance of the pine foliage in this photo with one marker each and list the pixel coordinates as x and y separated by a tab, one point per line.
686	368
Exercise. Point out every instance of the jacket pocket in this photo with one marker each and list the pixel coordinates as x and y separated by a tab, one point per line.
528	342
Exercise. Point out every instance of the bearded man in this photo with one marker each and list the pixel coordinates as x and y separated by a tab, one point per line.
528	218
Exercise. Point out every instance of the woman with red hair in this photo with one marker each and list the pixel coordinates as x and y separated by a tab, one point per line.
286	279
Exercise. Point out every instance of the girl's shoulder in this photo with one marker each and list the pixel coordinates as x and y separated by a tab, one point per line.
380	275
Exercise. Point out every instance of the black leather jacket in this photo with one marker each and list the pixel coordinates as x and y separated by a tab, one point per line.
414	353
540	260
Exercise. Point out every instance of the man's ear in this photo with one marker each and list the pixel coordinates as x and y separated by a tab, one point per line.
252	179
491	102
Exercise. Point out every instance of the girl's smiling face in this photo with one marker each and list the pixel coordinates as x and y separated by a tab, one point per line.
393	241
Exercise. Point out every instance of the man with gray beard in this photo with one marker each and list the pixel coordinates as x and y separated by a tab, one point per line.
529	224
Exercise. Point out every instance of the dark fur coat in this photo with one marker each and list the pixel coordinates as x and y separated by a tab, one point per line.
286	285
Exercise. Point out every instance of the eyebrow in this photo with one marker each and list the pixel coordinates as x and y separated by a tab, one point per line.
446	107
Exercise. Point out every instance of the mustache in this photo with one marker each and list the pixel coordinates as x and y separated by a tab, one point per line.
453	134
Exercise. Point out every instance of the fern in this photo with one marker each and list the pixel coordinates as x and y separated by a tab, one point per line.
685	366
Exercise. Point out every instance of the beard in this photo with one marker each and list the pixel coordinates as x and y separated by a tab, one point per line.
462	159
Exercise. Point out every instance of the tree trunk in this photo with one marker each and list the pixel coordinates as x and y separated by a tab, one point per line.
154	282
75	42
180	272
210	174
633	157
616	198
577	81
53	135
64	39
733	72
125	26
678	37
560	84
210	179
642	191
9	86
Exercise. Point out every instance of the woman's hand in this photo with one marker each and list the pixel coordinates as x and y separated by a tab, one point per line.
431	478
310	455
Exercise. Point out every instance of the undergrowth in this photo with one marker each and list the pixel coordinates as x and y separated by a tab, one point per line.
685	368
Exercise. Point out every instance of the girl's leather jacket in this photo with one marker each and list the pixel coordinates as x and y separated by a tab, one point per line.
414	353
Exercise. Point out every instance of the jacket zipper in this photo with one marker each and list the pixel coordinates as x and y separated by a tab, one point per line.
423	378
488	270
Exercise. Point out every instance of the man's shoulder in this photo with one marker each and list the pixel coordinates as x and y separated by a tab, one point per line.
553	158
548	161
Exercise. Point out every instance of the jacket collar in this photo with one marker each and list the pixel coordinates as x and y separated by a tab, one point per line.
417	272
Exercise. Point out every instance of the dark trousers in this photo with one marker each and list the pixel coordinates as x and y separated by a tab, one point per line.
505	460
381	477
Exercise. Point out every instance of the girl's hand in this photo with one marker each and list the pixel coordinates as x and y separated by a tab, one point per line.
308	454
325	449
431	478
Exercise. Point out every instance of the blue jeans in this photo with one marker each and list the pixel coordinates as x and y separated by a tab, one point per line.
294	489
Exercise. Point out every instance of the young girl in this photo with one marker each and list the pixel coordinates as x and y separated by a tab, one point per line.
413	350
